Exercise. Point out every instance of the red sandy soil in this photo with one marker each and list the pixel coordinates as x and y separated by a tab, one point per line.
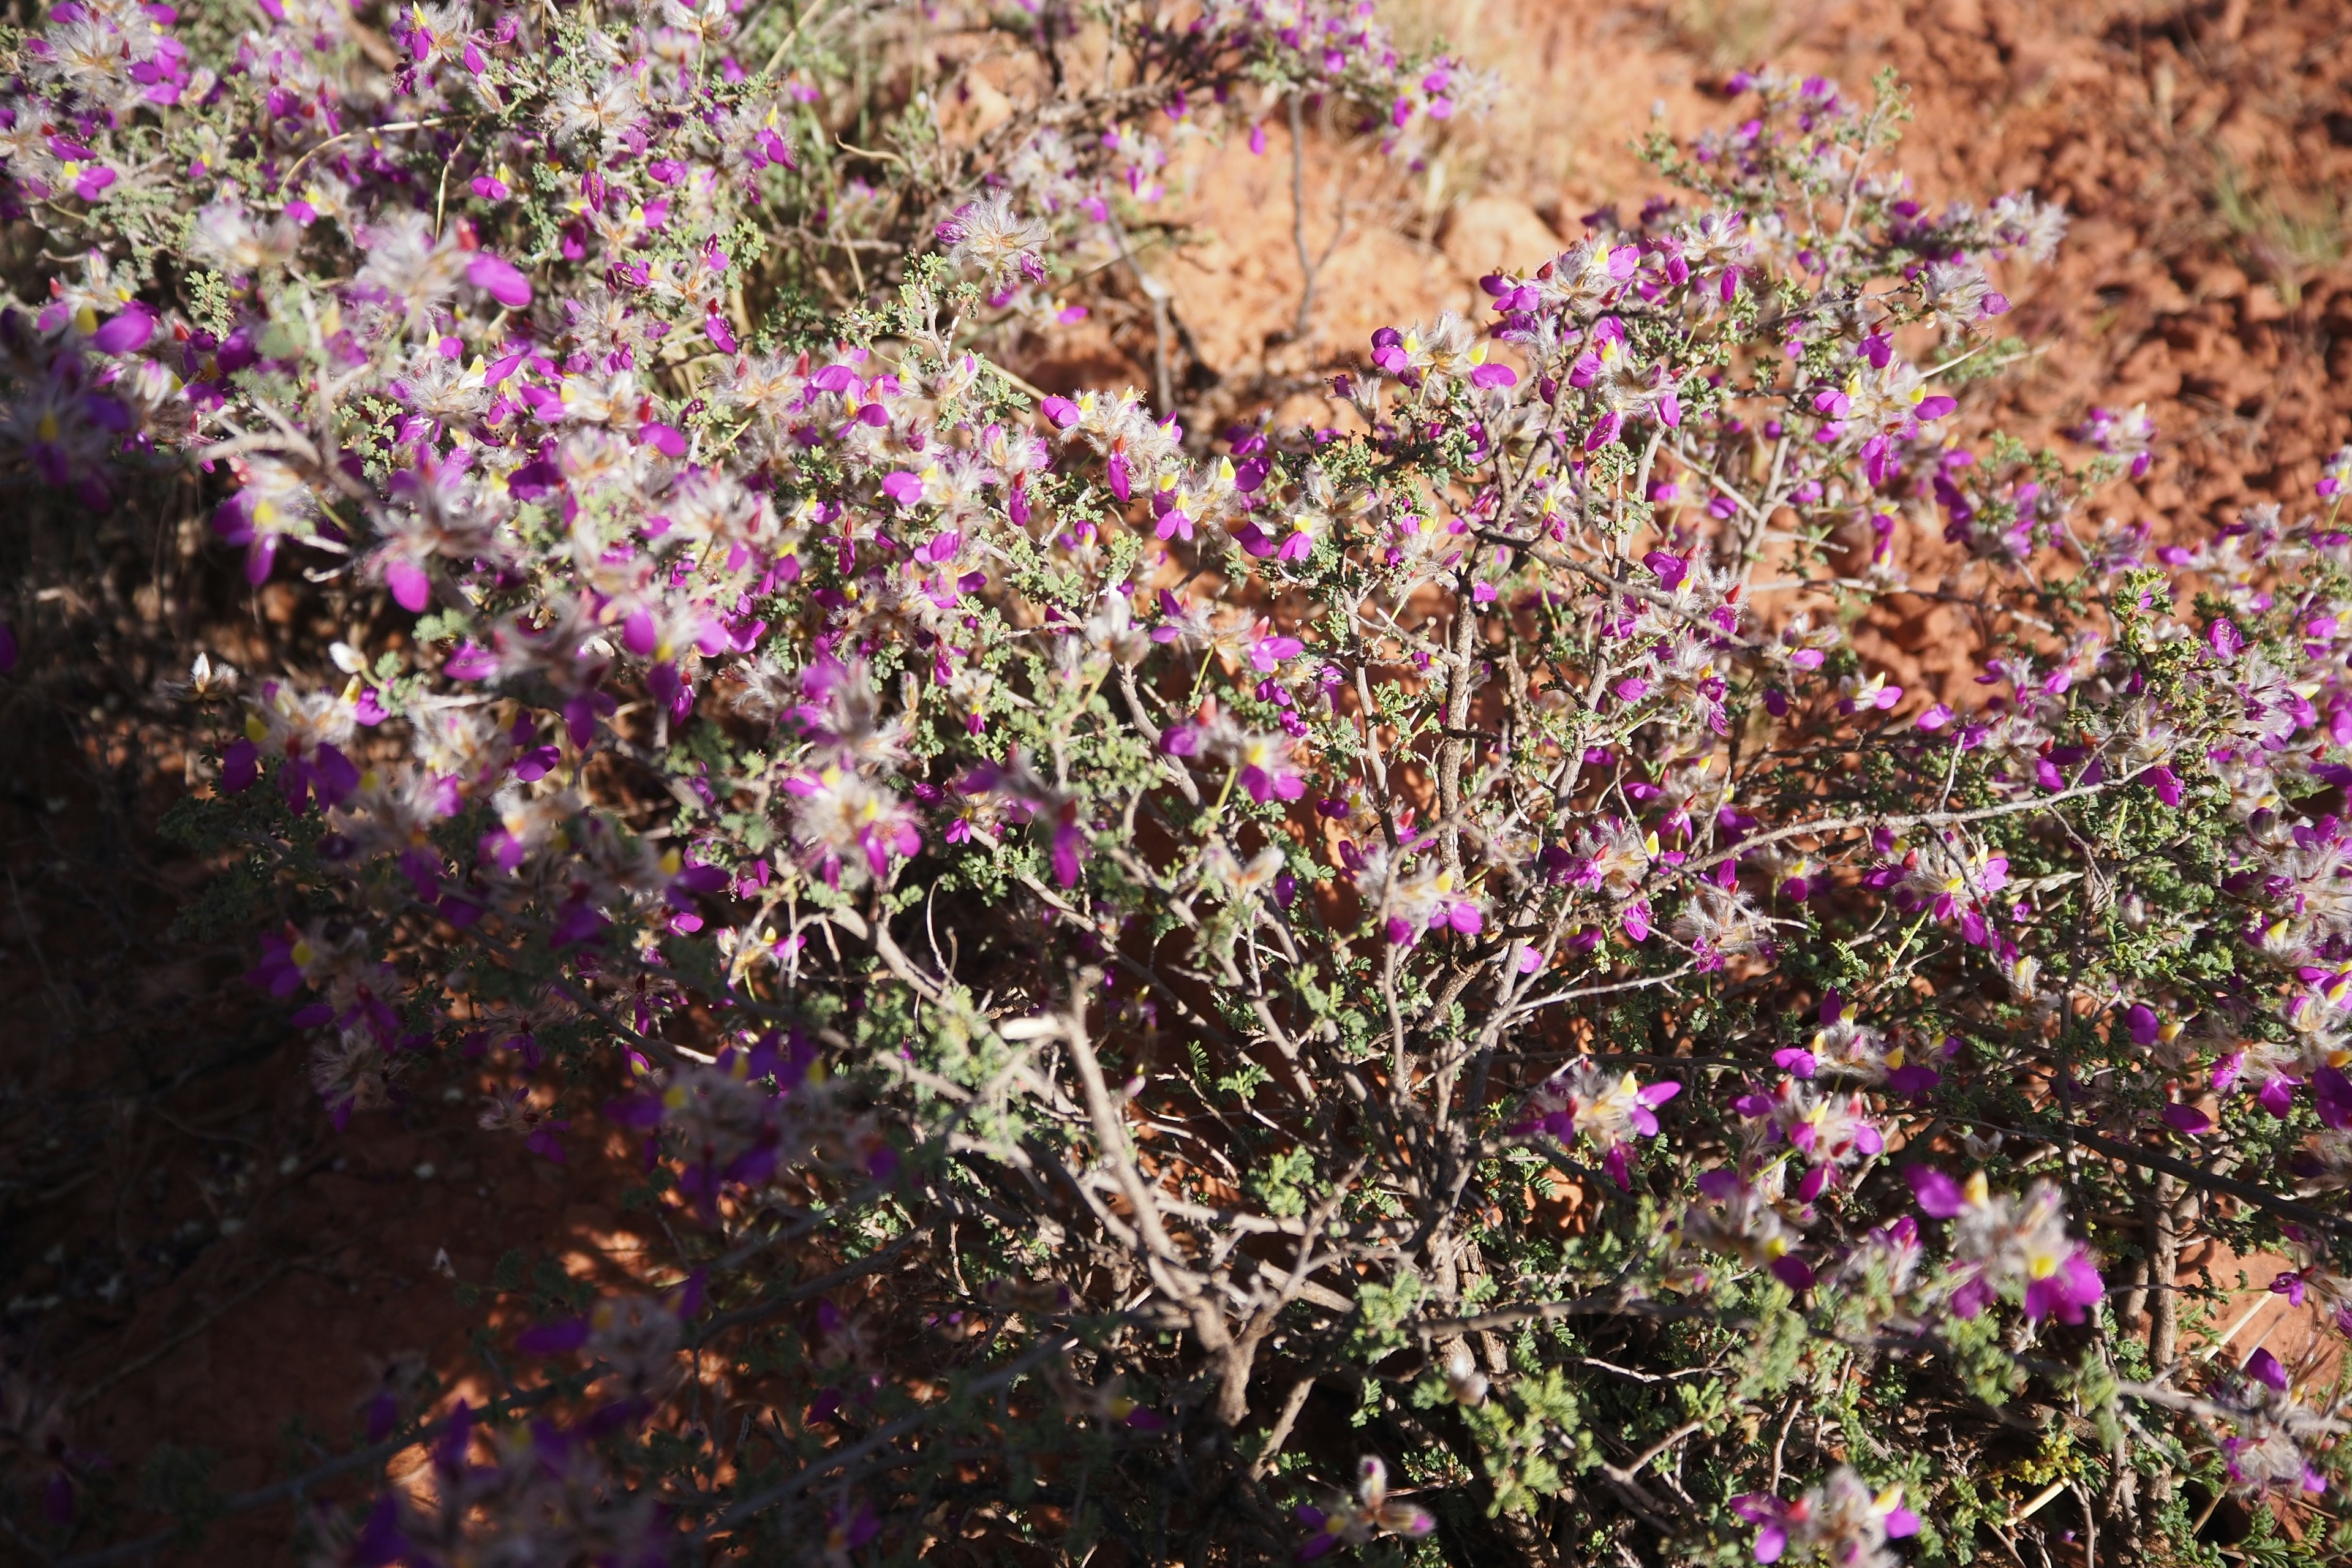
191	1254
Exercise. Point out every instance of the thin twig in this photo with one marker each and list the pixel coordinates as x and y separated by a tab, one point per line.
287	183
793	36
1292	1404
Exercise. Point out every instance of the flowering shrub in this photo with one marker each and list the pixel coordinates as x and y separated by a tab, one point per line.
1399	987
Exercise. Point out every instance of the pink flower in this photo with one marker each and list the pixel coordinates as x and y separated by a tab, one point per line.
1605	1108
1838	1522
1266	650
498	280
1938	1195
127	332
843	824
2068	1292
1356	1520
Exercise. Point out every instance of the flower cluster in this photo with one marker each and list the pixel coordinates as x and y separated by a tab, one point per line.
1586	1100
1076	906
1354	1520
1841	1521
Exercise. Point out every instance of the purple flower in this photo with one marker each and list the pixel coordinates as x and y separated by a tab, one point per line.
849	1527
1266	651
1838	1522
412	590
2074	1287
470	662
1607	1109
1356	1521
561	1338
2186	1119
1634	921
127	332
1767	1512
499	279
1938	1195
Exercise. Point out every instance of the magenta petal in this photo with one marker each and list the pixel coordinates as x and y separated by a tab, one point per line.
553	1339
1913	1080
1938	1195
638	634
2186	1119
126	334
2264	1368
411	589
259	557
240	765
498	280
